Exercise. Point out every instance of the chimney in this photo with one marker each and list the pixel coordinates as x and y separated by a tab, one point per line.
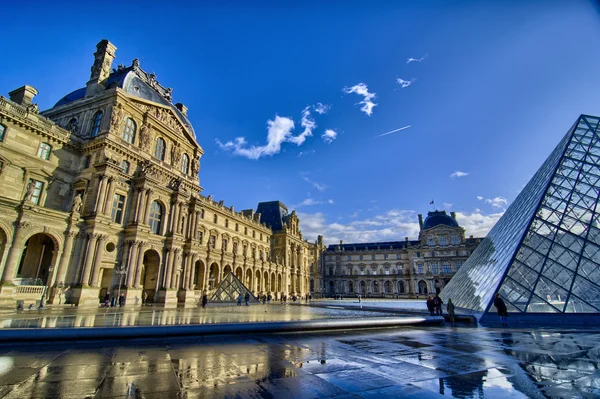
182	108
453	214
341	242
23	95
103	58
420	221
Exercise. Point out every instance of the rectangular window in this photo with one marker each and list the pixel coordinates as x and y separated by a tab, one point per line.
349	257
442	241
125	166
35	191
446	269
387	272
372	257
385	256
117	208
420	268
398	256
457	265
434	268
44	151
360	257
455	240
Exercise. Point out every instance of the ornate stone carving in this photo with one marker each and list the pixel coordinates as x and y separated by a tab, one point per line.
175	154
195	166
145	136
116	116
73	126
76	204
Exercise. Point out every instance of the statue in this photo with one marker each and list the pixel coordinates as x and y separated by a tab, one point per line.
209	197
145	136
175	154
76	203
221	203
195	166
116	116
73	126
30	190
33	109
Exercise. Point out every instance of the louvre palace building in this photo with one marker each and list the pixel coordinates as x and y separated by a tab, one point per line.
102	191
400	269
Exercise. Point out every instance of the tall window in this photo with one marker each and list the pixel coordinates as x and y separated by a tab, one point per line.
44	151
430	241
398	256
128	133
385	256
227	223
2	131
185	164
117	209
455	240
349	257
360	257
225	244
156	214
434	268
36	191
442	241
125	166
159	150
96	124
446	269
215	219
372	257
457	265
420	268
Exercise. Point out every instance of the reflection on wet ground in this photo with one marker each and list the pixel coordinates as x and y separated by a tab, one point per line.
410	363
151	316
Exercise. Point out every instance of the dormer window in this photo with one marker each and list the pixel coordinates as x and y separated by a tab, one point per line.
128	133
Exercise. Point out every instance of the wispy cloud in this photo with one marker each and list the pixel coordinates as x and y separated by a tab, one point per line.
305	153
362	90
329	136
279	130
318	186
393	131
448	205
405	83
311	202
458	174
308	123
479	197
497	202
476	223
321	108
409	60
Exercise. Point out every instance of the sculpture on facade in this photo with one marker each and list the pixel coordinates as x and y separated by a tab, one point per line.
73	126
116	116
195	167
30	190
145	136
76	203
175	154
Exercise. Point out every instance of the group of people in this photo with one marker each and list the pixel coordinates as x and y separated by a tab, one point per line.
108	303
434	305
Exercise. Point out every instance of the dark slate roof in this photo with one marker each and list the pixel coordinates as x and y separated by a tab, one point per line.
129	80
273	214
372	246
436	218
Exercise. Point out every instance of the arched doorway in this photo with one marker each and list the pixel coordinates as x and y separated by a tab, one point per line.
149	278
258	287
422	287
226	271
350	287
363	287
238	273
199	274
279	283
37	257
401	287
312	285
388	287
266	284
376	287
331	288
213	276
273	282
249	279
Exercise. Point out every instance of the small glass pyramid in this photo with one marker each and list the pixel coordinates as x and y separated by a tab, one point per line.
229	290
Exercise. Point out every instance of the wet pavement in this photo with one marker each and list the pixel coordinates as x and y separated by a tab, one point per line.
155	316
434	362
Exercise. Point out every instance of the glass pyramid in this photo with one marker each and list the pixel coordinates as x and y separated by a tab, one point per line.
229	289
543	255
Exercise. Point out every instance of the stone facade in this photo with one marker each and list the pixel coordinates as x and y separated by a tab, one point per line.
103	190
401	269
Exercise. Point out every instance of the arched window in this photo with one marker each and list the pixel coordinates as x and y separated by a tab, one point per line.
96	123
159	151
156	214
128	133
185	164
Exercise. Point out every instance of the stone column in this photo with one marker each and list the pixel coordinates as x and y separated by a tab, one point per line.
175	227
100	194
14	253
176	262
139	266
147	206
186	270
140	205
131	264
192	271
168	268
98	260
87	269
61	272
112	185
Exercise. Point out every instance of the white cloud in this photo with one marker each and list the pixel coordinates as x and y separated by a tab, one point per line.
476	223
308	123
458	174
497	202
329	136
318	186
321	108
393	131
479	197
448	205
311	202
405	83
305	153
408	61
362	90
278	130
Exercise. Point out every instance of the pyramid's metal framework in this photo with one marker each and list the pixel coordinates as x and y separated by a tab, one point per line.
543	255
230	289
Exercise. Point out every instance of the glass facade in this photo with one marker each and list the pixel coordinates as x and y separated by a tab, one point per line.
230	289
543	255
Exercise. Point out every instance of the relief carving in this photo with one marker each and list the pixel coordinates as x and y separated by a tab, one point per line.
145	136
116	116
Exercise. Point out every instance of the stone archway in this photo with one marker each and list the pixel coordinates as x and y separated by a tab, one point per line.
199	276
331	288
37	257
150	274
376	288
258	286
401	287
351	287
226	271
249	280
213	276
266	284
422	287
239	274
388	287
279	283
363	287
273	282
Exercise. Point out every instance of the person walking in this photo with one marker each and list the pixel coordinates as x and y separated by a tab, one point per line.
204	300
430	305
122	300
107	300
359	298
502	310
144	298
450	309
247	298
239	300
437	301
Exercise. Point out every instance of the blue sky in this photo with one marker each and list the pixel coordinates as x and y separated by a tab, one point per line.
494	88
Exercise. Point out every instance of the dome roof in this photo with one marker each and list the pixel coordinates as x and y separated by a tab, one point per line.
436	218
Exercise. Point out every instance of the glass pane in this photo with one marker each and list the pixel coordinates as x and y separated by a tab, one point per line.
538	305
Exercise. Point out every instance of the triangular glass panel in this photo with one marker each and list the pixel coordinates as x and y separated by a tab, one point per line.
524	275
515	293
547	289
589	269
577	305
230	288
587	291
538	305
558	274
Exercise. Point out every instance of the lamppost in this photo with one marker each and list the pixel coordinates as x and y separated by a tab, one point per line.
120	271
44	291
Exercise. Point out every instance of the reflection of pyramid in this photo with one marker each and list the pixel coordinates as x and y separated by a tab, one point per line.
229	289
543	255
